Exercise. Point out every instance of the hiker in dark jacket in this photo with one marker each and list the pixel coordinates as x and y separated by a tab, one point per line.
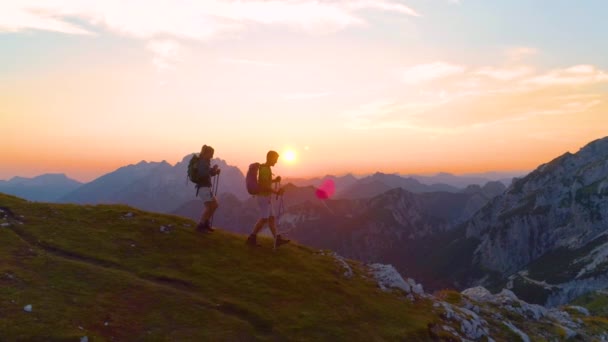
264	199
205	191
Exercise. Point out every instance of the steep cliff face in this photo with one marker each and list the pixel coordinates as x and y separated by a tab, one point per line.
561	208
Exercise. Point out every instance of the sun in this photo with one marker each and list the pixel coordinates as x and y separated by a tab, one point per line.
289	156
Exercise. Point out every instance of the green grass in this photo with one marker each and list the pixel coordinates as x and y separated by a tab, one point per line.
92	271
596	302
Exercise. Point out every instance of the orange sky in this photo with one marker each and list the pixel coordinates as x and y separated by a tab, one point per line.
333	82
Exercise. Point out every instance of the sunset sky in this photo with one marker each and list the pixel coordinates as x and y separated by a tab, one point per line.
407	86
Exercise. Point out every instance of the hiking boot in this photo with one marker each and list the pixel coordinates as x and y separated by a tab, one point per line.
252	240
280	241
204	228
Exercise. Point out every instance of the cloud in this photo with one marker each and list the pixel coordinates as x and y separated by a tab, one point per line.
248	62
572	76
388	6
428	72
306	95
199	20
166	53
505	74
366	115
14	19
517	54
476	98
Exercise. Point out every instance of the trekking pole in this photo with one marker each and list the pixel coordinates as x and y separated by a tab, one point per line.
215	186
281	207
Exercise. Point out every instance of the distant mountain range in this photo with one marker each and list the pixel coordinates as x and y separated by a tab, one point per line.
153	186
44	188
464	180
161	187
415	183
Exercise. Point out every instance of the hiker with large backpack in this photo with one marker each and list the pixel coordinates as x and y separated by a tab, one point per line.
259	183
200	173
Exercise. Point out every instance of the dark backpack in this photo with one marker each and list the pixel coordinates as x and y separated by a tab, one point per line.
193	173
251	180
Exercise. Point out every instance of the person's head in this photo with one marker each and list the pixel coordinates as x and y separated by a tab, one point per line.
207	152
272	157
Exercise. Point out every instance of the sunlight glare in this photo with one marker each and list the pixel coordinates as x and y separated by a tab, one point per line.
289	156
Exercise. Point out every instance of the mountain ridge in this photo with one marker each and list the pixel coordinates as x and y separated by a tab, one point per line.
561	206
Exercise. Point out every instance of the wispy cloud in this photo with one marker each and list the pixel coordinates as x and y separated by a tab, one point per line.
462	98
14	18
519	53
505	74
306	95
389	6
572	76
428	72
369	114
248	62
166	53
186	19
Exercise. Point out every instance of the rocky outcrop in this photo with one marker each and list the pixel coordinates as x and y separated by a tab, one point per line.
561	206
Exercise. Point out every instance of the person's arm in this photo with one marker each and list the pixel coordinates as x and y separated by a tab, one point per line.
214	171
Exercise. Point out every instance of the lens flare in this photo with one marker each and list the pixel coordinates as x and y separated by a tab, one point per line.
326	189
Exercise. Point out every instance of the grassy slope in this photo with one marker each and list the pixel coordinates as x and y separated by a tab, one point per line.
596	302
92	271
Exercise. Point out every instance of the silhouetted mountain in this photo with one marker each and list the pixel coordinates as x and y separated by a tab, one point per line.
44	188
154	186
380	182
341	182
489	190
462	181
364	190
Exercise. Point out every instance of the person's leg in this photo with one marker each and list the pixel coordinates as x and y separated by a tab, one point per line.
263	205
278	239
210	204
272	226
252	239
210	208
259	226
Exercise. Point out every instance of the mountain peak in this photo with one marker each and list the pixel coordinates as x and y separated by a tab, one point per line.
598	146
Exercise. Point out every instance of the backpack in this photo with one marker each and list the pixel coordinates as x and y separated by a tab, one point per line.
251	180
193	174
